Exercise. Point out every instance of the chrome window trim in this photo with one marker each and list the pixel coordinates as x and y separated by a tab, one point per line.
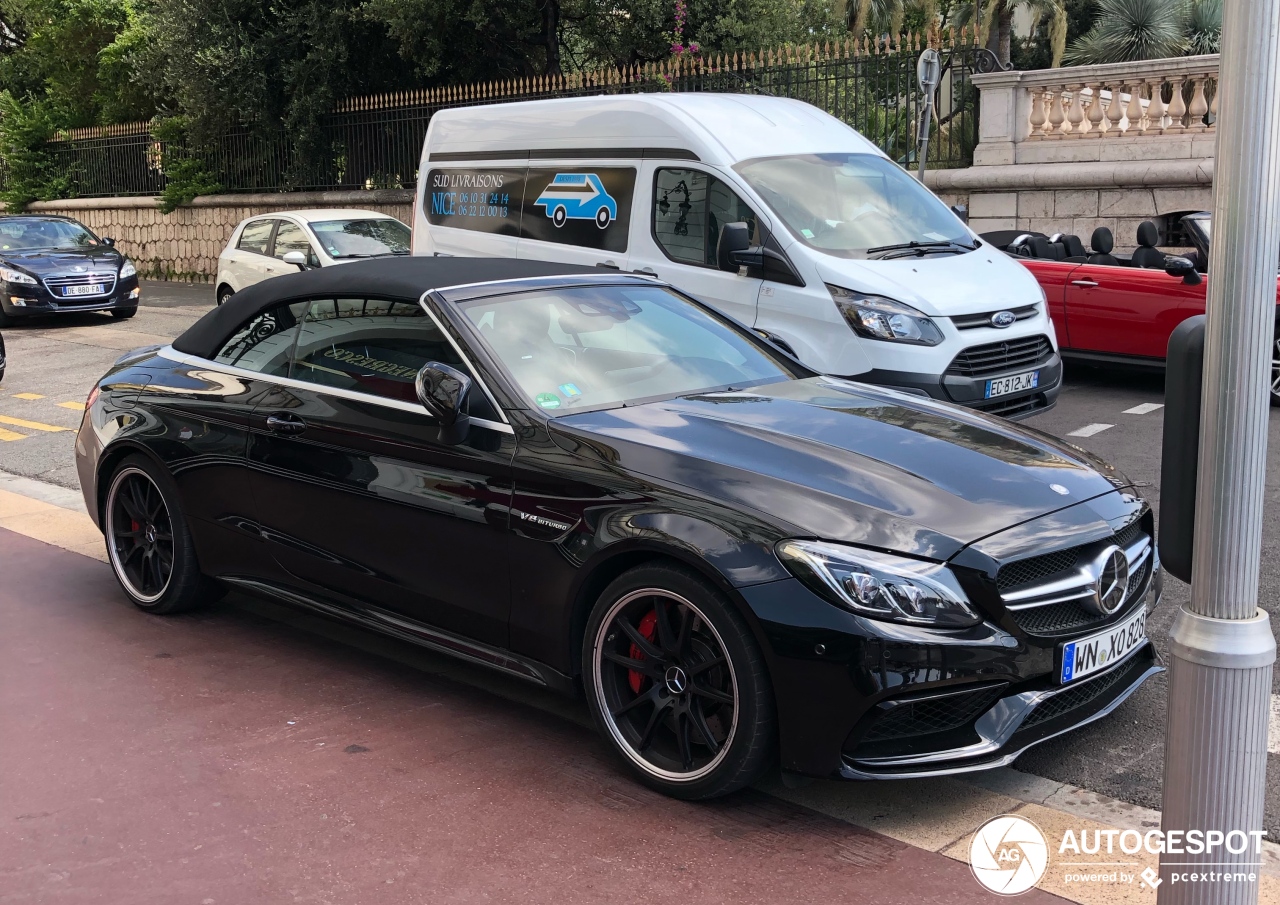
195	361
617	277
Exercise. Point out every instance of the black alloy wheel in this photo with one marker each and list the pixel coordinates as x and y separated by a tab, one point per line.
677	685
225	292
1275	369
148	544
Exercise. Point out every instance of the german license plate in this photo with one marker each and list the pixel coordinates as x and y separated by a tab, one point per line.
86	289
1088	655
1016	383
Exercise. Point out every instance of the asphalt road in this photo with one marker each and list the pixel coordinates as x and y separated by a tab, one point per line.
52	365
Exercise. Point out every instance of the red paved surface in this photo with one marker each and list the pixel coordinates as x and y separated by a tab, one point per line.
219	758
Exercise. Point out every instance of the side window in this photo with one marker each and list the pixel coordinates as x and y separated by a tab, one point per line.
374	346
265	342
689	207
256	236
290	237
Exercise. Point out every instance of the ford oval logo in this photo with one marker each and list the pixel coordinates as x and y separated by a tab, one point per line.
1003	319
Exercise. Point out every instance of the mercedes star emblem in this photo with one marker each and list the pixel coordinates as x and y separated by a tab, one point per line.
1112	568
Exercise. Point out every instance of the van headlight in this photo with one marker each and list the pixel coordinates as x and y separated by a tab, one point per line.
127	269
16	276
877	317
878	585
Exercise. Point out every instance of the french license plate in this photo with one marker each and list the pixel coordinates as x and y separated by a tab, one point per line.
1088	655
86	289
1016	383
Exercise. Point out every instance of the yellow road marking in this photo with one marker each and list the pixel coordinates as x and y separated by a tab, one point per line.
11	435
76	406
33	425
27	396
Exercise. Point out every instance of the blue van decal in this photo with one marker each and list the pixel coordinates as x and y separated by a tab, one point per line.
578	196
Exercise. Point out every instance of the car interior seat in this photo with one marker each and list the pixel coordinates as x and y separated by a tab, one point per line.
1042	248
1071	245
1101	243
1146	254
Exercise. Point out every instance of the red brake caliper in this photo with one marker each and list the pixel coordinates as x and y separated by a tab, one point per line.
649	628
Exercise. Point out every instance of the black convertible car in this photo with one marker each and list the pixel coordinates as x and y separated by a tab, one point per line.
55	265
588	480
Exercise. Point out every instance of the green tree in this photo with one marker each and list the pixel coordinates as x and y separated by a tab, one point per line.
997	24
1127	30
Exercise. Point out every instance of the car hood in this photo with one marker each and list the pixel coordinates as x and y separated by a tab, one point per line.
50	262
843	461
940	284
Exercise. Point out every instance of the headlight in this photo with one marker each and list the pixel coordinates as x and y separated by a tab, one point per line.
877	317
879	585
127	269
16	276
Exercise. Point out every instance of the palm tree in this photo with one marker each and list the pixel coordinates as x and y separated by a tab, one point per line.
997	21
1127	30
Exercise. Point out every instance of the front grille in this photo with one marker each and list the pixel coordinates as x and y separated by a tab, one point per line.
1127	536
993	358
1055	618
938	714
1025	571
56	284
974	321
1074	697
1011	408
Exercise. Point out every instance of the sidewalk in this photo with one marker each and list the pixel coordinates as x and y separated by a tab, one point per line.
247	754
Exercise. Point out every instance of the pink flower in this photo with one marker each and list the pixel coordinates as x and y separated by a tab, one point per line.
693	47
677	48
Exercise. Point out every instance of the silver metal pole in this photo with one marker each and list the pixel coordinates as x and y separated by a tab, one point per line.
1222	647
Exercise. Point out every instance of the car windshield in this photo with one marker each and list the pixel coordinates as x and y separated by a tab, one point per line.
851	205
39	234
362	238
601	347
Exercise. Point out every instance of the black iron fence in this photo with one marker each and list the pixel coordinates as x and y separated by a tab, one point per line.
376	143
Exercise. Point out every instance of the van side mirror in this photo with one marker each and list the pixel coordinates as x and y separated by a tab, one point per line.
296	258
1177	266
734	243
443	390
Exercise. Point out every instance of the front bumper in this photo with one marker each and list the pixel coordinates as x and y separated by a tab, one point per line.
971	391
992	692
24	300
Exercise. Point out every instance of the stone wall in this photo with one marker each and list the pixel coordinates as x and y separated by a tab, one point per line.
185	244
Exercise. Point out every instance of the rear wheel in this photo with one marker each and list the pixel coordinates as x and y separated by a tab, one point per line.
225	292
148	544
677	685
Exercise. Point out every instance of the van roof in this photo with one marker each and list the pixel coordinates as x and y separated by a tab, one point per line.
720	129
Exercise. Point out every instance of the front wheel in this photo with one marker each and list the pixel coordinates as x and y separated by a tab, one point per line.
1275	370
677	685
224	293
148	543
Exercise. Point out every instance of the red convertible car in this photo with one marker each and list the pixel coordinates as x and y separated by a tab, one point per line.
1120	309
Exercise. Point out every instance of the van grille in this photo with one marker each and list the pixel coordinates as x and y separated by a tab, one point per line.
994	358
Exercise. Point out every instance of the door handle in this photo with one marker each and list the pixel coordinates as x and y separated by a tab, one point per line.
1085	284
285	423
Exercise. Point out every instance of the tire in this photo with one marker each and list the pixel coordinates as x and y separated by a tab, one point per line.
225	292
603	218
123	314
687	721
559	216
144	526
1275	370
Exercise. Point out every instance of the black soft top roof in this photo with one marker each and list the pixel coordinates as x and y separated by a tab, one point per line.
393	278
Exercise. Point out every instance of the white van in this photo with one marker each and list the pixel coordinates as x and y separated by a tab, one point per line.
766	208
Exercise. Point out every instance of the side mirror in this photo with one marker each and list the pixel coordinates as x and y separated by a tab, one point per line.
1177	266
296	258
443	390
109	242
961	211
735	238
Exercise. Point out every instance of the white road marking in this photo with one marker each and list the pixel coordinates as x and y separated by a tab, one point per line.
1145	409
1090	429
1273	727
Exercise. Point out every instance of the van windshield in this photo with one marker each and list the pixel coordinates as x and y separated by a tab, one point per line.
853	205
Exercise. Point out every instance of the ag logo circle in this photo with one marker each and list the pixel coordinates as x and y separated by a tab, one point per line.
1008	855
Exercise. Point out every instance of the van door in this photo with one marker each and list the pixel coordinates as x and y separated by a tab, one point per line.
473	210
684	209
577	213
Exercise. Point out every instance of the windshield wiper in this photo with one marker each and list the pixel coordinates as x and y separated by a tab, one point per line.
919	248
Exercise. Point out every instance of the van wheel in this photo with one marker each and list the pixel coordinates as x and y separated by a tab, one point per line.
602	217
677	685
559	215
